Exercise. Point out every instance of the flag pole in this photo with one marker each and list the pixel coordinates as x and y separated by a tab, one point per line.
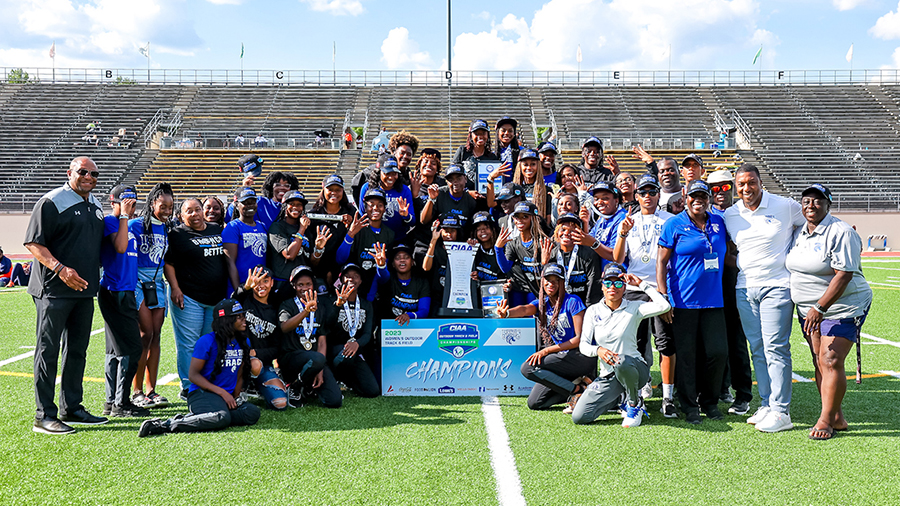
53	58
148	62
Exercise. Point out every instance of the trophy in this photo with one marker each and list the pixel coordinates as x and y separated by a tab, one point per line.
459	287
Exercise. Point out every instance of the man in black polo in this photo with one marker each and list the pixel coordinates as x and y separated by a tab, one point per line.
64	235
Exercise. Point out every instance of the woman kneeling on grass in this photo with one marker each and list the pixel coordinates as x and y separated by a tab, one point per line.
610	332
217	374
559	369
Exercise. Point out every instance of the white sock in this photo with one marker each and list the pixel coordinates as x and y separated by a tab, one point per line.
668	390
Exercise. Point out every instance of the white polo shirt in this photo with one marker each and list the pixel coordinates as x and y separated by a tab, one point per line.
763	238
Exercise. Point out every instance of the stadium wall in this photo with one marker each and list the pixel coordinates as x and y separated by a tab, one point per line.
13	226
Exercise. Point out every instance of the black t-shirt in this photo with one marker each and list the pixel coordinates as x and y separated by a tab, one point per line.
362	253
584	277
526	269
486	266
328	262
296	339
464	206
281	235
405	298
340	328
200	263
72	229
467	160
592	176
438	275
422	231
262	326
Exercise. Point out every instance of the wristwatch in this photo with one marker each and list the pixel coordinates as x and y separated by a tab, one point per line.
351	340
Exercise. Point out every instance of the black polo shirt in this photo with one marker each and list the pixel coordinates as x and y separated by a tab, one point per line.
71	227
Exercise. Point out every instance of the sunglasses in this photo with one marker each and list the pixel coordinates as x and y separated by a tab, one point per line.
617	283
84	172
720	188
644	193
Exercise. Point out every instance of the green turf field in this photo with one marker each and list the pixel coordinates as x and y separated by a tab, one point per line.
435	451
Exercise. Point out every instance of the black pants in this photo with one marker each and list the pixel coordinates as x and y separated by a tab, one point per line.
702	353
208	411
61	323
123	342
303	366
662	331
555	375
737	370
354	372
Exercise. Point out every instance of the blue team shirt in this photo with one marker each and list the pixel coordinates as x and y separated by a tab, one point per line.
565	327
119	270
392	218
207	350
251	243
550	179
691	286
151	245
607	231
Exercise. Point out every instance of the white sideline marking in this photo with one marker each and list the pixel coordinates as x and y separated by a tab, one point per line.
800	379
894	285
167	378
882	268
509	487
880	340
891	373
95	332
26	347
17	358
13	290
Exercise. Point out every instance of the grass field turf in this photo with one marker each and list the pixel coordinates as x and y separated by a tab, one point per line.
434	450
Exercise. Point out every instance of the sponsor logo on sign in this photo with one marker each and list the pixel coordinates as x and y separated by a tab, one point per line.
446	390
457	339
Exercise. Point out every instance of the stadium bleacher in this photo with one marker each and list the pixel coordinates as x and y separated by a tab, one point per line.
843	136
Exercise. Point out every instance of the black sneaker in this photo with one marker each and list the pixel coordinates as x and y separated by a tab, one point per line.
739	408
152	427
726	397
129	410
692	417
82	417
157	401
183	394
107	408
713	413
52	426
668	408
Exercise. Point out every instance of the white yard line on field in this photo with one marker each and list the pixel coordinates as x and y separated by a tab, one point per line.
168	378
801	379
891	373
17	358
880	340
509	487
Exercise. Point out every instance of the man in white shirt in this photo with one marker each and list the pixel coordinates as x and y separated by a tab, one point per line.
761	225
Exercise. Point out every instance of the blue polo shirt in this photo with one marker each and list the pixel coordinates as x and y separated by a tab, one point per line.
565	327
119	270
607	231
251	245
691	286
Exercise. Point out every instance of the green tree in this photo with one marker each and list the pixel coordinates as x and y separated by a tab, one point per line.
17	76
124	80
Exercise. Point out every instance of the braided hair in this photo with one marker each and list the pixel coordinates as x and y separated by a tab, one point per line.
223	329
543	325
158	190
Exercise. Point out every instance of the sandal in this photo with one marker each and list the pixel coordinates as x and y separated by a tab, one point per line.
827	433
157	400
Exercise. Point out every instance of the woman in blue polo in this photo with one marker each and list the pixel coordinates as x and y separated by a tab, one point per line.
692	249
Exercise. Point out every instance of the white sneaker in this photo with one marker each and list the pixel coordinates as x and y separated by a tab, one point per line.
775	422
633	415
757	417
647	391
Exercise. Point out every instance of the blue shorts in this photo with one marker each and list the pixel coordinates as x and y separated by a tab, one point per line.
146	274
848	328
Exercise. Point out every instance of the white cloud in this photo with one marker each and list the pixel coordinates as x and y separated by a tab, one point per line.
483	15
846	5
888	26
618	34
398	51
336	7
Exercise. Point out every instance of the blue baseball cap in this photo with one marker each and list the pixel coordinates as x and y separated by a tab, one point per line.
510	190
568	218
605	186
294	195
450	221
817	188
613	270
592	140
507	120
454	169
525	207
479	124
246	193
547	146
553	269
251	164
698	185
332	180
648	180
376	193
389	165
528	153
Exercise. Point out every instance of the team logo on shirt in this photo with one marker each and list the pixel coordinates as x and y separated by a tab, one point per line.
99	214
457	339
342	319
714	227
256	242
153	245
233	359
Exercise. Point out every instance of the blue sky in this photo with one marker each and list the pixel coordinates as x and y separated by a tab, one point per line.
496	35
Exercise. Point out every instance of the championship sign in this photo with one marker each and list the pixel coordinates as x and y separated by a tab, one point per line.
458	358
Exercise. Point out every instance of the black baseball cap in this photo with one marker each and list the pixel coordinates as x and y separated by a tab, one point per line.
698	186
454	169
479	124
250	164
818	188
648	180
553	269
246	193
547	146
507	120
510	190
568	218
401	247
693	156
483	217
332	180
227	307
451	221
351	267
389	165
525	207
376	193
605	186
122	192
302	270
592	140
433	152
613	270
528	153
294	195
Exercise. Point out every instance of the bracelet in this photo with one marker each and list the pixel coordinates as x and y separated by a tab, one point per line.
351	340
596	244
123	217
59	266
623	235
318	251
818	307
298	235
433	201
351	240
428	256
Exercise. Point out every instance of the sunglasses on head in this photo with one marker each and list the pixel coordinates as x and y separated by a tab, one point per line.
84	172
618	283
645	193
720	188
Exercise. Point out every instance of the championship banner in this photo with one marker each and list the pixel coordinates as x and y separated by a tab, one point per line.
432	357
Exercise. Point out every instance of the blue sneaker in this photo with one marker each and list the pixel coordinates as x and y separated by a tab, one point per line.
633	415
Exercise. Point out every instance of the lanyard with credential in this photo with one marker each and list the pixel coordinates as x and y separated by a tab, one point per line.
352	324
559	260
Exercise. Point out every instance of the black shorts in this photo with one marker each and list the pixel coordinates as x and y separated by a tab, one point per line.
662	331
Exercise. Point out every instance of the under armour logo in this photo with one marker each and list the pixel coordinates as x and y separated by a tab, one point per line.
77	213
